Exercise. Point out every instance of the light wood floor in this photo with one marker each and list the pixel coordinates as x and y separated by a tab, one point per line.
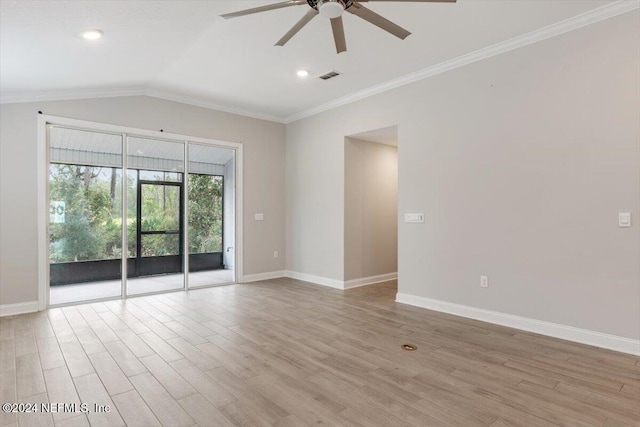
285	353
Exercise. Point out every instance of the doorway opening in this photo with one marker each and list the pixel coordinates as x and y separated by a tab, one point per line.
159	236
133	214
371	207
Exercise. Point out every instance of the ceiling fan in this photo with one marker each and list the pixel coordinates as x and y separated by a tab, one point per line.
333	9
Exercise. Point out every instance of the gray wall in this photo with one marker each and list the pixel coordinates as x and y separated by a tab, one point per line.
370	209
520	162
263	176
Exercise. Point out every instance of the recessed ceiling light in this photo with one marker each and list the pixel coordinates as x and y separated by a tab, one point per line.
302	73
92	34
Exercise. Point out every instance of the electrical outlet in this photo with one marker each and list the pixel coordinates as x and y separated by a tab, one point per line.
275	254
624	219
484	282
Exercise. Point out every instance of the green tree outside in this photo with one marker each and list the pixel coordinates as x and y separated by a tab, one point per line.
92	224
205	213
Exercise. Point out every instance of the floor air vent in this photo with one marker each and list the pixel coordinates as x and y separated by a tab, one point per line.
329	75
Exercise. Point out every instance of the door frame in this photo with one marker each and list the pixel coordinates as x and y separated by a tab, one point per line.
43	190
181	223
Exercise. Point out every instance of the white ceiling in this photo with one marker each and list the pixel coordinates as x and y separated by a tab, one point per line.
184	50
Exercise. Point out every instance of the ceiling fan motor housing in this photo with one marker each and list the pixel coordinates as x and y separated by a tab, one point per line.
317	3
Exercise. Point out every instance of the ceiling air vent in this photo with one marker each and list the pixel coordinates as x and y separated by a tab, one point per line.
329	75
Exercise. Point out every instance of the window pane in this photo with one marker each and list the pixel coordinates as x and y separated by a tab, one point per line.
205	213
85	218
155	155
132	217
160	176
85	213
159	264
160	208
160	244
211	215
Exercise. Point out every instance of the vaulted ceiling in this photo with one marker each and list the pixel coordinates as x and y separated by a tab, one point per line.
183	50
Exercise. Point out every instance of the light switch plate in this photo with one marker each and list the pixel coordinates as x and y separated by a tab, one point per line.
414	217
624	219
259	217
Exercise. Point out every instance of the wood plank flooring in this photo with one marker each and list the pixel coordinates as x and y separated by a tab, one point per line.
288	353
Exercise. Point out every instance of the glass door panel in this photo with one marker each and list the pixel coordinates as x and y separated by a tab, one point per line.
160	207
85	217
211	215
160	233
154	245
156	168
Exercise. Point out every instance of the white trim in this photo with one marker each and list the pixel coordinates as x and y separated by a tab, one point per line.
570	333
67	94
130	131
203	102
89	93
340	284
365	281
19	308
124	259
591	17
43	211
318	280
238	267
185	217
264	276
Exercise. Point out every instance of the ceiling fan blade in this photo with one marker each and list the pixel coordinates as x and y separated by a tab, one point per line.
338	34
379	21
415	1
312	13
264	8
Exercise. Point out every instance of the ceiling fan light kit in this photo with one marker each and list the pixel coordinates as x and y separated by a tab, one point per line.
330	8
333	10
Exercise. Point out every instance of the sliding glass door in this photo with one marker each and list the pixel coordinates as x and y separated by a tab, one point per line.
170	204
159	205
85	215
210	207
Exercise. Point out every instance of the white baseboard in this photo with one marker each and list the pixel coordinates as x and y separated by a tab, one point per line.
364	281
570	333
19	308
340	284
248	278
318	280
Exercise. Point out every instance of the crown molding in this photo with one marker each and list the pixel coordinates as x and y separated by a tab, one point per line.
210	104
591	17
68	94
